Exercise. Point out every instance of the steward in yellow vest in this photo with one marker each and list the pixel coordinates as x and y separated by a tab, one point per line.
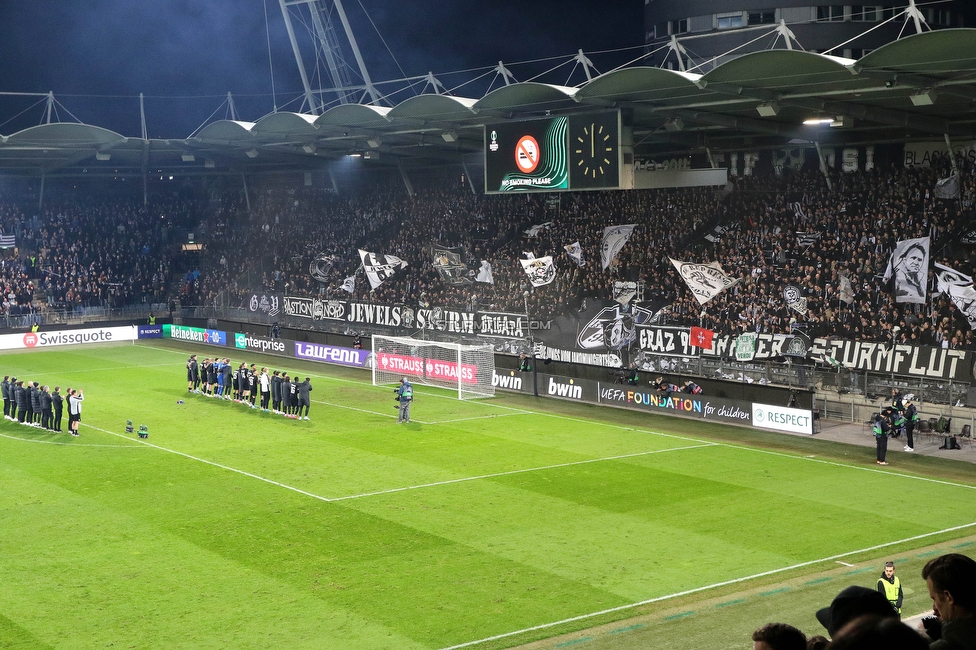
890	586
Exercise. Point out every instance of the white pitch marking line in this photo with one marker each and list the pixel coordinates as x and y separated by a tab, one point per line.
479	417
515	471
716	585
845	563
399	489
66	443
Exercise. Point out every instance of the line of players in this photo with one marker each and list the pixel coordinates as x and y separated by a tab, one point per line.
34	405
217	378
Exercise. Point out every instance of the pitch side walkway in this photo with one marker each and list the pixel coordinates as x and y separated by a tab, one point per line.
926	444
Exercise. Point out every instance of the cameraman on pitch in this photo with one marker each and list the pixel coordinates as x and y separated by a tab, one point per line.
404	396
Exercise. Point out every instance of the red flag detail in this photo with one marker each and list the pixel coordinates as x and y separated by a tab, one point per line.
702	338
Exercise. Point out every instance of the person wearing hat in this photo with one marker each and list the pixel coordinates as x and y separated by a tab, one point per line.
890	586
851	603
880	429
911	419
405	396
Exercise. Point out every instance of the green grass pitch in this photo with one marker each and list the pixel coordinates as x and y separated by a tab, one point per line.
497	521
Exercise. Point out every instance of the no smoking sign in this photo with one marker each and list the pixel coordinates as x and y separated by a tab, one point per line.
527	154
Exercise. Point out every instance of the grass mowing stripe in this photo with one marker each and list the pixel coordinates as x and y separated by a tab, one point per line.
696	590
400	489
518	471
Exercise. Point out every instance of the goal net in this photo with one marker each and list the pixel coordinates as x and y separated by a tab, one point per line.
467	369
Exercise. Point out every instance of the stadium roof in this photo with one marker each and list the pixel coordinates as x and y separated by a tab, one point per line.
922	87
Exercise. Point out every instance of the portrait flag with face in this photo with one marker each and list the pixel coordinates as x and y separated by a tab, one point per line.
908	269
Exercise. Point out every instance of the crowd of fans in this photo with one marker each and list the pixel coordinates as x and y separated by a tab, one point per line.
88	253
856	223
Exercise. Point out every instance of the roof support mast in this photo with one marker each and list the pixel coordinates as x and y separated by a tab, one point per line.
326	46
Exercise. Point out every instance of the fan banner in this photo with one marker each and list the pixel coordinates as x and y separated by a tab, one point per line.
349	284
909	266
268	303
535	230
575	252
614	239
745	346
449	265
541	270
705	280
845	290
380	268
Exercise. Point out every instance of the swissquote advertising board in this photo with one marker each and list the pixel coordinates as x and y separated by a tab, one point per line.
42	339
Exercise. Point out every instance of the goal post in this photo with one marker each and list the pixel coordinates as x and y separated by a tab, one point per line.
467	369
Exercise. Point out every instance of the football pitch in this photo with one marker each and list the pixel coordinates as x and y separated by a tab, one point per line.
482	524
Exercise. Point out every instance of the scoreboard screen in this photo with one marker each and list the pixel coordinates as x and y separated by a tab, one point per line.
576	152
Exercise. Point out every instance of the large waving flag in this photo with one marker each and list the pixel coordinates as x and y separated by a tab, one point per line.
575	252
541	270
909	266
614	238
380	268
705	280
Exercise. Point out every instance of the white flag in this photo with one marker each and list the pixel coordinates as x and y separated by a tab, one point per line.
705	280
959	287
534	230
541	270
380	268
845	289
614	238
349	284
624	292
575	252
484	273
909	265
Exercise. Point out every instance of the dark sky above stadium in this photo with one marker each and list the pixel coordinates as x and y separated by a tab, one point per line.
185	55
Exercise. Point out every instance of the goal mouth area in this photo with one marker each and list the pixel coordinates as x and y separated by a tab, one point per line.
468	370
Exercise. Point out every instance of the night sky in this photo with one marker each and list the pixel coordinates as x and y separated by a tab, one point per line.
185	55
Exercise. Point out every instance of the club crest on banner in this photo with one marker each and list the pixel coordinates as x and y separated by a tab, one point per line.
704	280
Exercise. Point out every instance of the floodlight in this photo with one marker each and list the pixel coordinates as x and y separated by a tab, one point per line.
768	109
103	156
251	153
309	148
450	136
374	143
675	124
924	98
188	157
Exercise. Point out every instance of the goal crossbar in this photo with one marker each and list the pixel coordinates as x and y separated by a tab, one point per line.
466	369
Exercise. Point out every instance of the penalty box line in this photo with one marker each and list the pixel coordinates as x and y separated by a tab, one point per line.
724	583
463	479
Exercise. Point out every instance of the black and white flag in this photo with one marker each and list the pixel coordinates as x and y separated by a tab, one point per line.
715	234
349	284
705	280
614	238
624	292
947	188
321	267
794	299
541	270
807	238
959	287
845	290
575	252
8	241
909	266
380	268
484	273
449	265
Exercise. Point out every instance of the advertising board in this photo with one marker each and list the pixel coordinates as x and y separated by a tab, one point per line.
42	339
333	354
195	334
781	418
